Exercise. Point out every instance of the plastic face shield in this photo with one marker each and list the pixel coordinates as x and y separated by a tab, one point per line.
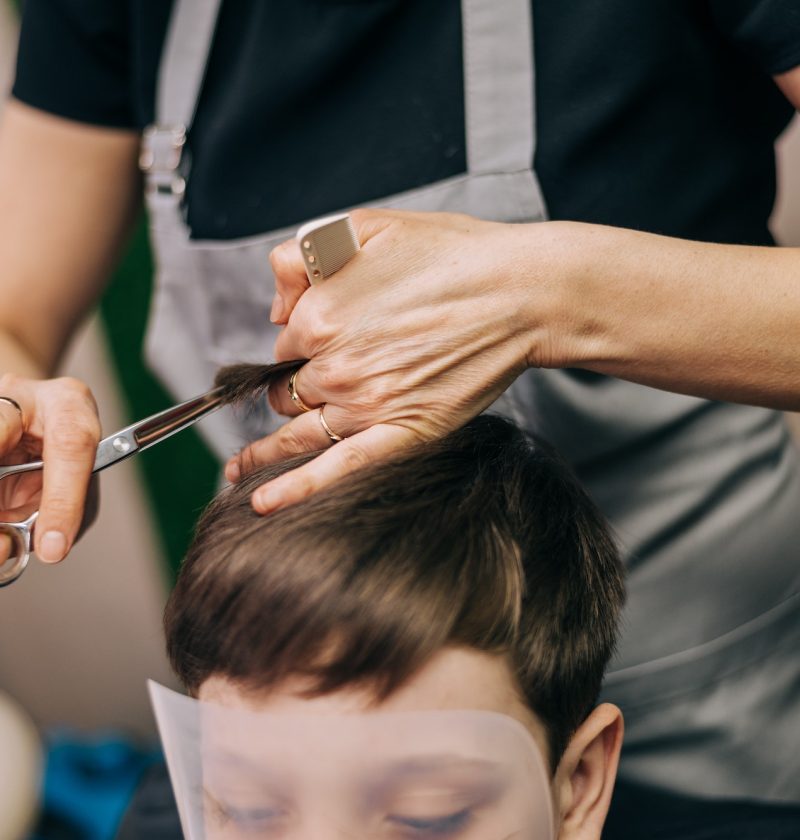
440	775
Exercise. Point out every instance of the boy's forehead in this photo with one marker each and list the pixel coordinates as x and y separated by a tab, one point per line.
378	765
456	679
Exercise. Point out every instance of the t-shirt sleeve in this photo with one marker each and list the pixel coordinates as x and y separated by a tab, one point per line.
74	60
767	30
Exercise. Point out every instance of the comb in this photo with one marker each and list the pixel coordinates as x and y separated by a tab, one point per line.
327	244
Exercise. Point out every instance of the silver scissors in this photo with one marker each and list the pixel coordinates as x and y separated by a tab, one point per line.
15	537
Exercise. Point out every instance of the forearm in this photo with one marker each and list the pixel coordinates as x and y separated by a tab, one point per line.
17	359
68	196
716	321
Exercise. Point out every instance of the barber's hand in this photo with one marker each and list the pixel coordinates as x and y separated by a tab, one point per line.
59	424
422	330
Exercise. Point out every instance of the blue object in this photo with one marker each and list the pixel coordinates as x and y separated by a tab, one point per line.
88	783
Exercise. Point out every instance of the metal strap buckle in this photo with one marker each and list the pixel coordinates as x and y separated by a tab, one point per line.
161	155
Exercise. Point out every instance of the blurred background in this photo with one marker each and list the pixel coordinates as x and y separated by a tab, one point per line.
79	640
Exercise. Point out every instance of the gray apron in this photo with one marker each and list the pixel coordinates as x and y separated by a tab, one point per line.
704	496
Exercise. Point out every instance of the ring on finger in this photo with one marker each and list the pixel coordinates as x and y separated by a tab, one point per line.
14	404
328	430
292	388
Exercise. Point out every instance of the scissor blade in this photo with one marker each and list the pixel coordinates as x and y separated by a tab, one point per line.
158	427
168	423
154	429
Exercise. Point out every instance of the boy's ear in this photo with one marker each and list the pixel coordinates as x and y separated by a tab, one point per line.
586	774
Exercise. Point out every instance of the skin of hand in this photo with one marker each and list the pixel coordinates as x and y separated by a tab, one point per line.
54	193
425	327
69	194
66	409
439	313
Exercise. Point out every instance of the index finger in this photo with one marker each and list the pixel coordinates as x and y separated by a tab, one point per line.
71	434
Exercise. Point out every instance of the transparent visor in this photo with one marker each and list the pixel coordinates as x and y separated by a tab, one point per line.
455	775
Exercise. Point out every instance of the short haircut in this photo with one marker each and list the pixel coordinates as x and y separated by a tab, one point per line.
482	539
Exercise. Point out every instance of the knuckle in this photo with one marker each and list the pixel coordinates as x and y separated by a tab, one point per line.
303	484
290	441
325	377
61	509
354	456
71	385
367	399
75	436
9	382
247	460
281	259
331	381
360	215
371	398
276	262
318	323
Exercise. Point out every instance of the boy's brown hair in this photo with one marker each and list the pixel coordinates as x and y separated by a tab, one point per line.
483	539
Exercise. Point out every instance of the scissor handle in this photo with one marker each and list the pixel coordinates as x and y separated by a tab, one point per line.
19	536
15	469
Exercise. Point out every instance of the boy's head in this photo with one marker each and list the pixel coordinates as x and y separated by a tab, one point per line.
474	573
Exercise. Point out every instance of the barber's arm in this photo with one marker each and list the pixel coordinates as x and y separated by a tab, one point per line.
68	197
439	313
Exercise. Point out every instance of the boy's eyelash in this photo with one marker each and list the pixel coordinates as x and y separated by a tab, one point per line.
436	826
414	827
251	815
225	814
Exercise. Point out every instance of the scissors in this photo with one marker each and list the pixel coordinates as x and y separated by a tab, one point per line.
15	537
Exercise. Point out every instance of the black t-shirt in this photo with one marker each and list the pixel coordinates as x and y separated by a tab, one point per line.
652	114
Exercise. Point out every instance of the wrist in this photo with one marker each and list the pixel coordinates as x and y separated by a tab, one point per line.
553	280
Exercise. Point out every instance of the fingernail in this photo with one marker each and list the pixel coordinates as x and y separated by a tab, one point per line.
277	309
232	472
53	547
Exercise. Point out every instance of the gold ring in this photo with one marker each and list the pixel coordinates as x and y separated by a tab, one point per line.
14	404
293	392
328	430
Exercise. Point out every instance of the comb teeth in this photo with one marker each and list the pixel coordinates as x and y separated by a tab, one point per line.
327	244
335	245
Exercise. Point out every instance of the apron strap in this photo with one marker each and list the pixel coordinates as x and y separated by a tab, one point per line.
498	85
498	88
183	67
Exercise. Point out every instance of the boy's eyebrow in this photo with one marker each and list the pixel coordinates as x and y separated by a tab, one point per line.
488	775
224	758
392	773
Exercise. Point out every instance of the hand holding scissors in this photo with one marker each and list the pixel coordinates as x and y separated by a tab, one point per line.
16	537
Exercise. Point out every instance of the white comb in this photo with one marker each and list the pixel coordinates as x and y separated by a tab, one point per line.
327	244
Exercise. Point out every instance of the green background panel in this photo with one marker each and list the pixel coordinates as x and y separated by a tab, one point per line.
181	474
